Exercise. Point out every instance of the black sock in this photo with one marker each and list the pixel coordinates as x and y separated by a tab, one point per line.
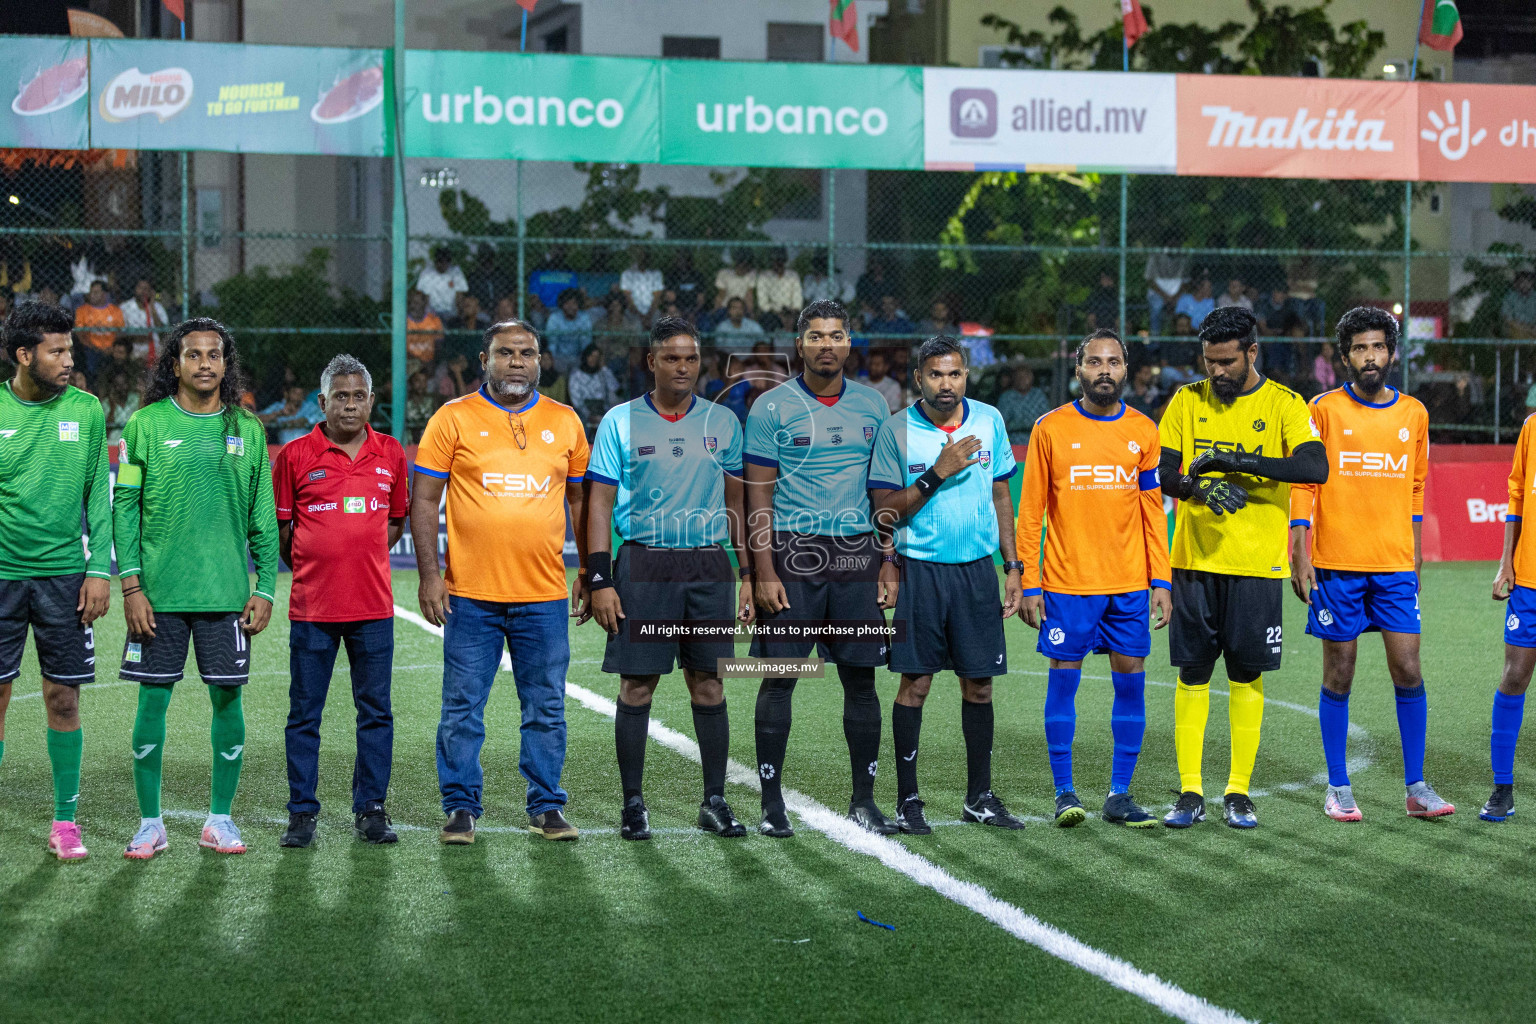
906	724
630	726
713	729
771	728
976	725
861	727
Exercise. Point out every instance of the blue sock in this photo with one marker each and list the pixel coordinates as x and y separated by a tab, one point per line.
1061	722
1508	710
1333	716
1127	723
1412	722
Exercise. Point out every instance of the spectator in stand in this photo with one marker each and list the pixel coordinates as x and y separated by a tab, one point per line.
456	376
1143	395
593	389
123	365
568	330
871	286
506	308
1302	275
939	321
1322	369
551	381
468	316
816	285
294	416
738	281
1165	275
145	317
688	283
1518	310
420	404
442	282
77	380
1103	306
93	320
1236	294
1274	310
641	282
538	313
779	296
890	320
1021	405
736	326
617	332
119	400
879	377
423	328
901	371
1198	302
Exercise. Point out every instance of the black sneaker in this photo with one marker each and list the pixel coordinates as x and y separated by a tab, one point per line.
1499	806
989	810
775	823
867	816
459	829
1069	810
301	831
910	820
1120	809
715	816
1189	810
1237	809
634	820
372	826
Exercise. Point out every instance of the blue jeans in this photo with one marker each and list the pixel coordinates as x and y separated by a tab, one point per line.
536	634
312	648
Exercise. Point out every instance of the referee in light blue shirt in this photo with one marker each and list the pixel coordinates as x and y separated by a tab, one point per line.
666	475
939	474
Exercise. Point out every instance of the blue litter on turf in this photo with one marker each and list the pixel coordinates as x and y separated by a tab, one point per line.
877	924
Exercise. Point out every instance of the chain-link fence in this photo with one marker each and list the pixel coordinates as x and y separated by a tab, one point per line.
294	254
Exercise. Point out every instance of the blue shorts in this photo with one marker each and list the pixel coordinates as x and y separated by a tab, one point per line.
1520	620
1077	625
1346	604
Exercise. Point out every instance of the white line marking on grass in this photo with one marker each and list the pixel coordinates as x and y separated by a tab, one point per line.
1167	997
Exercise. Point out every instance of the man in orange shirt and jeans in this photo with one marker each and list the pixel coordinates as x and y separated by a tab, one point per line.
511	461
94	315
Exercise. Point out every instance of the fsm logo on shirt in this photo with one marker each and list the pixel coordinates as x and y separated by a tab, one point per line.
1102	474
514	483
1374	461
69	430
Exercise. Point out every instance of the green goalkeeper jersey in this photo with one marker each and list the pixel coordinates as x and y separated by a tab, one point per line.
53	468
191	496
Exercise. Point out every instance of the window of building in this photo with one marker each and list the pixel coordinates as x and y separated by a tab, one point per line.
696	47
794	40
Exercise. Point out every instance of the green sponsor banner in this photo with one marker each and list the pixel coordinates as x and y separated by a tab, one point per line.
791	115
532	106
234	98
47	108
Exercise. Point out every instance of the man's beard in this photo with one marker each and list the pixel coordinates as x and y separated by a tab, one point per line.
48	387
1371	385
1228	389
508	389
1097	394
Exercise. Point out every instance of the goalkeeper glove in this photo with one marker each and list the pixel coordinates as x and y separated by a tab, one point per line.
1220	496
1215	461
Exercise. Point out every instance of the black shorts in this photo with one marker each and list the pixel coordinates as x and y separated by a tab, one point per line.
66	650
671	585
1235	617
223	649
829	582
949	617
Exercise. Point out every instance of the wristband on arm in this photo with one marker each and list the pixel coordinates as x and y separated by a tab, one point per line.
599	570
928	483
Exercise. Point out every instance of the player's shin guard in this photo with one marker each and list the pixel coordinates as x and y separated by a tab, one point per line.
906	727
771	729
1127	724
1245	710
713	730
64	756
861	727
1508	711
228	734
1333	719
149	747
1061	723
976	727
1412	724
1191	707
630	726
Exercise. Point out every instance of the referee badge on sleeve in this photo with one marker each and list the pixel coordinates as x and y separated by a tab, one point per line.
710	444
869	433
984	457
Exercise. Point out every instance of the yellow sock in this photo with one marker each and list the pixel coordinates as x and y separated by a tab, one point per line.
1191	707
1245	708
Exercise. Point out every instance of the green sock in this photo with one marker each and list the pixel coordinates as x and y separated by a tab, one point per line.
228	746
2	750
149	746
64	754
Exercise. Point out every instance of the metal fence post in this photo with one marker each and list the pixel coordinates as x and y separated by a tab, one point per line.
832	227
186	243
1498	387
522	249
1407	274
1124	202
398	243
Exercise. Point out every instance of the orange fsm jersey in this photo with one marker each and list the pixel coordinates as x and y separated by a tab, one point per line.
506	504
1092	482
1522	485
1378	456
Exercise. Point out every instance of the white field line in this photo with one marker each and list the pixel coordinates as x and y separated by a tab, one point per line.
1167	997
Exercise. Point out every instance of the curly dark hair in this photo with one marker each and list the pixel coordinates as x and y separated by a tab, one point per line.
1368	318
1229	323
162	380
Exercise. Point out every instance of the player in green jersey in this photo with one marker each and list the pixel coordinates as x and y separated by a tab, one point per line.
53	464
194	493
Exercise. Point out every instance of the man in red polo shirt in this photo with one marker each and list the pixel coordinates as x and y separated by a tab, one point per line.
341	505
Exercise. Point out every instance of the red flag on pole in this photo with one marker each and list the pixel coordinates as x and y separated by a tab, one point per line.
528	5
1440	25
845	23
1135	21
176	7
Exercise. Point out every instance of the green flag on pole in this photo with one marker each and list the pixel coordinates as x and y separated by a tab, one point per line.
1440	27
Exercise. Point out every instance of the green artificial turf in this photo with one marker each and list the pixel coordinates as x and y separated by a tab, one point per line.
1302	919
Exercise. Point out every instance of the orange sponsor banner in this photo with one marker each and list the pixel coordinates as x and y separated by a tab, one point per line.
1477	133
1253	127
